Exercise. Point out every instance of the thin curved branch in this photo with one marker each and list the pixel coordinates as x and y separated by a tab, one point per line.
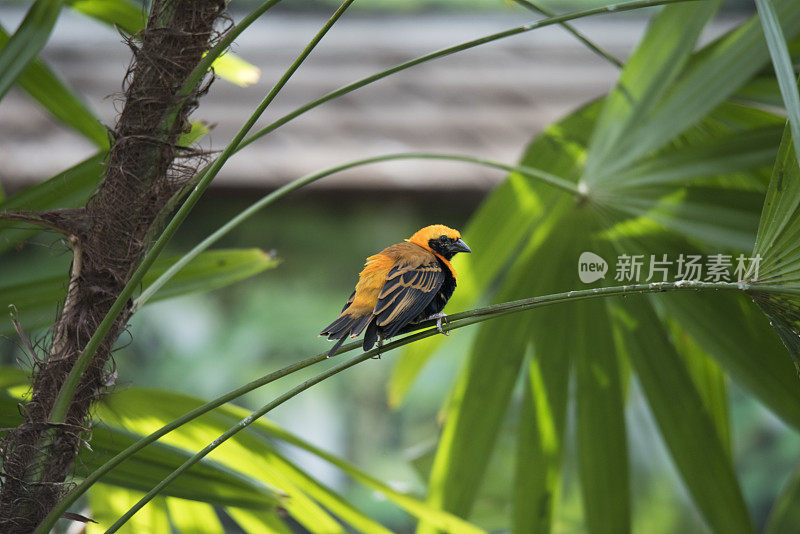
571	29
615	8
536	174
425	329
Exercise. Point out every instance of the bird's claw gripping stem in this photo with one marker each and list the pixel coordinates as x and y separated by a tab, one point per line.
380	346
439	317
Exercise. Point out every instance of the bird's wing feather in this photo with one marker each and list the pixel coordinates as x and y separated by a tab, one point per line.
349	301
408	290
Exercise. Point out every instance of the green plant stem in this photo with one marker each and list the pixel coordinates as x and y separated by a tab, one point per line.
455	321
531	172
571	29
217	50
783	66
616	8
68	389
227	40
27	41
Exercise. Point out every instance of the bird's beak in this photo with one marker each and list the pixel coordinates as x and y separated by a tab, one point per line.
460	246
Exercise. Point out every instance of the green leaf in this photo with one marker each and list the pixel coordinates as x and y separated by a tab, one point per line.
26	43
143	411
776	245
255	521
740	151
45	87
207	481
131	18
36	300
760	91
210	270
784	70
107	503
699	173
334	502
647	76
10	378
740	340
556	334
712	75
686	424
67	189
126	14
719	218
193	517
470	432
602	448
198	130
732	139
709	380
706	375
412	505
785	514
541	425
780	219
252	452
236	70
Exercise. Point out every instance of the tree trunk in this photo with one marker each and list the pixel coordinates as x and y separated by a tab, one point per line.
109	238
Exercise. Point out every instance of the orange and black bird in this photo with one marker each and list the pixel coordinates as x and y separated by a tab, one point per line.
405	283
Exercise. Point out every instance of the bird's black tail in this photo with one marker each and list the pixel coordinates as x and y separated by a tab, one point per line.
346	325
370	336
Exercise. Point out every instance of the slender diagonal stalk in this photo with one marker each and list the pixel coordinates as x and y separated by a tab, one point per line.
531	172
455	321
68	389
217	50
27	41
571	29
783	66
615	8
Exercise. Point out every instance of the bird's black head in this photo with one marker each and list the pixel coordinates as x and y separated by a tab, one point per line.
440	239
448	246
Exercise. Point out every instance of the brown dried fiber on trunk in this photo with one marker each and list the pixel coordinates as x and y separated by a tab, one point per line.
108	243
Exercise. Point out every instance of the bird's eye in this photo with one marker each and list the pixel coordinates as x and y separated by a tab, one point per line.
443	239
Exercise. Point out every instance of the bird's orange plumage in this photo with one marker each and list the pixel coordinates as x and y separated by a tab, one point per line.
370	282
403	283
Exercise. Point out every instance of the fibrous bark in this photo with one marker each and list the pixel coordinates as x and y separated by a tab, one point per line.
109	238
